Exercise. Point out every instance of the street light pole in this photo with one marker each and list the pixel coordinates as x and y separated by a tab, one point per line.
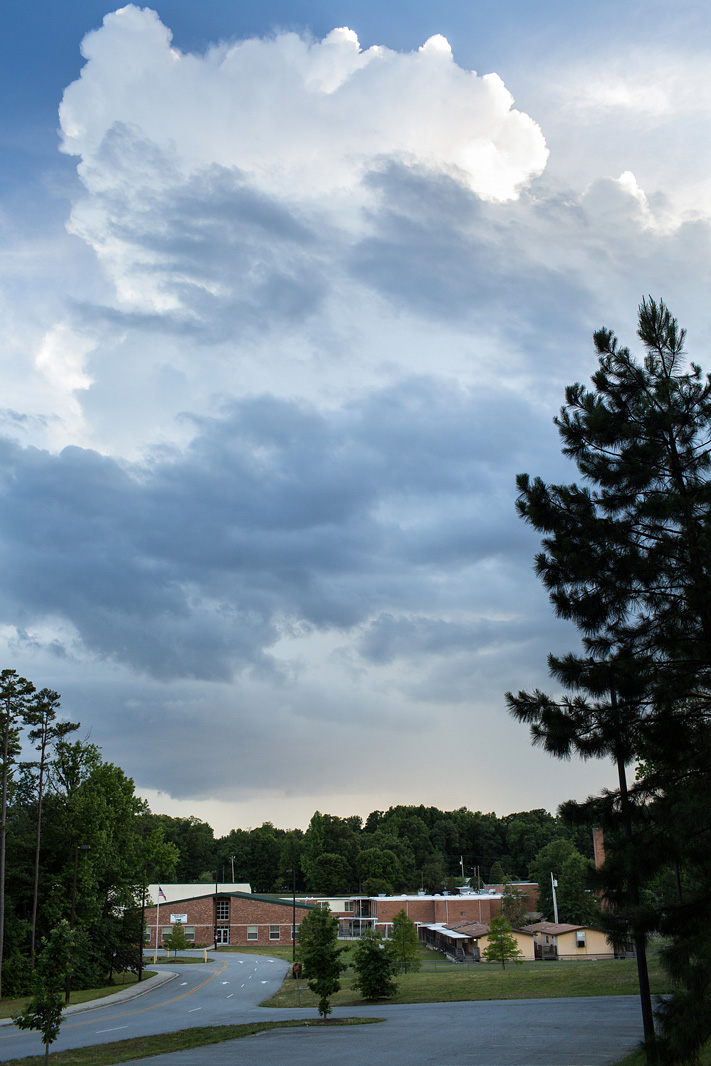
77	849
554	885
143	934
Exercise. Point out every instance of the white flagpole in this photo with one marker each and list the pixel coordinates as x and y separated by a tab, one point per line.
155	953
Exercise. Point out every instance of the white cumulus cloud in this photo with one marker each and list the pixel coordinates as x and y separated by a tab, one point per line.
303	116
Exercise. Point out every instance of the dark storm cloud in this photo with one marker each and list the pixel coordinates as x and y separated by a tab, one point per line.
389	638
437	249
191	565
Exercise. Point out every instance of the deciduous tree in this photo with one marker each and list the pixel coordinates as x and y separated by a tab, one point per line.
403	944
15	698
374	967
501	945
176	941
44	1010
320	955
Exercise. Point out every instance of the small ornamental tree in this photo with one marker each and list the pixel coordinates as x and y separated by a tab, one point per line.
403	944
320	955
375	967
502	946
44	1010
176	941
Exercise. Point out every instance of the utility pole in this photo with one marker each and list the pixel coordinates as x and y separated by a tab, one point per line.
293	913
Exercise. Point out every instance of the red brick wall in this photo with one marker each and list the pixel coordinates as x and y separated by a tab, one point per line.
243	912
530	891
440	909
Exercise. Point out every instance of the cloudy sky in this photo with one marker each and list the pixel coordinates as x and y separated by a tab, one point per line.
289	293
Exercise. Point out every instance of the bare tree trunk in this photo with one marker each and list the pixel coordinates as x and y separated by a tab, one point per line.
640	940
35	890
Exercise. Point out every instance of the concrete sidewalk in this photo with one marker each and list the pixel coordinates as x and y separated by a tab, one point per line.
121	996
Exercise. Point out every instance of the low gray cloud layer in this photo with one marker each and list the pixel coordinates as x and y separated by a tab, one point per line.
275	515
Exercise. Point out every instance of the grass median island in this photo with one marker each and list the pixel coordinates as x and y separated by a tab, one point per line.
181	960
279	951
142	1047
483	981
9	1008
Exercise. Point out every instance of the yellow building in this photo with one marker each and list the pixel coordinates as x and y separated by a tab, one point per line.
557	940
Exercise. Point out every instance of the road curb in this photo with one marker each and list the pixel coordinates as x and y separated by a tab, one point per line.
122	996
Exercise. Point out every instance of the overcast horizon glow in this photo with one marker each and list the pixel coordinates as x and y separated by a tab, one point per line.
289	298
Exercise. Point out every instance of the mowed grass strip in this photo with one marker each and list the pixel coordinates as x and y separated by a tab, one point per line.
529	980
163	1043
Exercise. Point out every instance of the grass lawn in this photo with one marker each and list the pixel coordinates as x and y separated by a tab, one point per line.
161	1044
529	980
10	1007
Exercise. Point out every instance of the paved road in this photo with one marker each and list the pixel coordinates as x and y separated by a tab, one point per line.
549	1032
216	993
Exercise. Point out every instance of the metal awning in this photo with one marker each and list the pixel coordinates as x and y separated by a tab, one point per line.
451	933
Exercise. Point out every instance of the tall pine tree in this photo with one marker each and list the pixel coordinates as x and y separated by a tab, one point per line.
627	557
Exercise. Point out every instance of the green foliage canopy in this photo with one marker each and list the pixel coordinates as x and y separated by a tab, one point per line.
374	967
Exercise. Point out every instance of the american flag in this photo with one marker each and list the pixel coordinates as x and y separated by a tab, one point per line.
161	893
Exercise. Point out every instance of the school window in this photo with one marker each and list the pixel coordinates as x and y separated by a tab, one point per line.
349	906
294	929
223	910
274	932
252	932
189	931
580	938
147	934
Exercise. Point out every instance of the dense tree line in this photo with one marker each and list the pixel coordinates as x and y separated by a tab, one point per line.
405	848
76	842
69	810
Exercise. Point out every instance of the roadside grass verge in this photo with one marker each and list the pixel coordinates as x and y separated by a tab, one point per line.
637	1058
10	1007
164	1043
532	980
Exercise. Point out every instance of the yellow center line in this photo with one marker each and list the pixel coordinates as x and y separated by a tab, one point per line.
143	1010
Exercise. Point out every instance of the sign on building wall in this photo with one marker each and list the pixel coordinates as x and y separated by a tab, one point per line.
178	919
